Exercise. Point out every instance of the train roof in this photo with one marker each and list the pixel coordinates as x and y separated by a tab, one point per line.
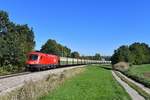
40	53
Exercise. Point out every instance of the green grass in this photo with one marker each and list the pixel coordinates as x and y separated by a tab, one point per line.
94	84
109	67
137	72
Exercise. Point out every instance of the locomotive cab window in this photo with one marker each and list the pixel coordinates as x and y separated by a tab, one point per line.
33	57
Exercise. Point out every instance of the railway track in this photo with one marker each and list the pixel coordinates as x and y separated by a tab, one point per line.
14	81
12	75
29	72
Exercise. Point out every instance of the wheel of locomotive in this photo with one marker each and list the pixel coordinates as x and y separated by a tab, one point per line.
54	66
38	69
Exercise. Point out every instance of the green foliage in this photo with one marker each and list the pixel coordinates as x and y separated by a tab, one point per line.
75	54
140	53
15	43
94	84
66	51
97	56
122	54
137	53
52	47
107	58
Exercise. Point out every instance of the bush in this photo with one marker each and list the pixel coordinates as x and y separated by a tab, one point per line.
121	66
137	79
9	69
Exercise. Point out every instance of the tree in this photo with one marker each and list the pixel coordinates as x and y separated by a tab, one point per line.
97	56
17	41
140	53
75	54
52	47
121	54
67	52
107	58
136	53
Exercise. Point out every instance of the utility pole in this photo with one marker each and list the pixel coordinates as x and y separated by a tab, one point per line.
62	51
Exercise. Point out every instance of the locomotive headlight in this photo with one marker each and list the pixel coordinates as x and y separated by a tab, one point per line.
34	62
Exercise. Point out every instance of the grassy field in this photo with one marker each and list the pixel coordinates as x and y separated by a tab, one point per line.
140	73
141	70
94	84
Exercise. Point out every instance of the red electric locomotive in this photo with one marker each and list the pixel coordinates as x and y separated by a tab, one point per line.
41	61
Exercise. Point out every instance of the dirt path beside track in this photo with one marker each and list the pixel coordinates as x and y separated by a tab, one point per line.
133	93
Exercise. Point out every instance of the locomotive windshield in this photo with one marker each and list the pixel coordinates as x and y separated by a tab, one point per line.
33	57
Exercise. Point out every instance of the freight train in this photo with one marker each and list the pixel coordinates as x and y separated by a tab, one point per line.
41	61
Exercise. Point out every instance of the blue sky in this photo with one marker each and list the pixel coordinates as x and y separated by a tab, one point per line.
87	26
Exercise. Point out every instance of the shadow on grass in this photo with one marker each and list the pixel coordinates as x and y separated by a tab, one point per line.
106	67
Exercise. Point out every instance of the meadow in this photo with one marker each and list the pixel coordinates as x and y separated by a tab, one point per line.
140	73
95	83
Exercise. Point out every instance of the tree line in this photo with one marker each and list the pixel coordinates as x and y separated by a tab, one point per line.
136	53
52	47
